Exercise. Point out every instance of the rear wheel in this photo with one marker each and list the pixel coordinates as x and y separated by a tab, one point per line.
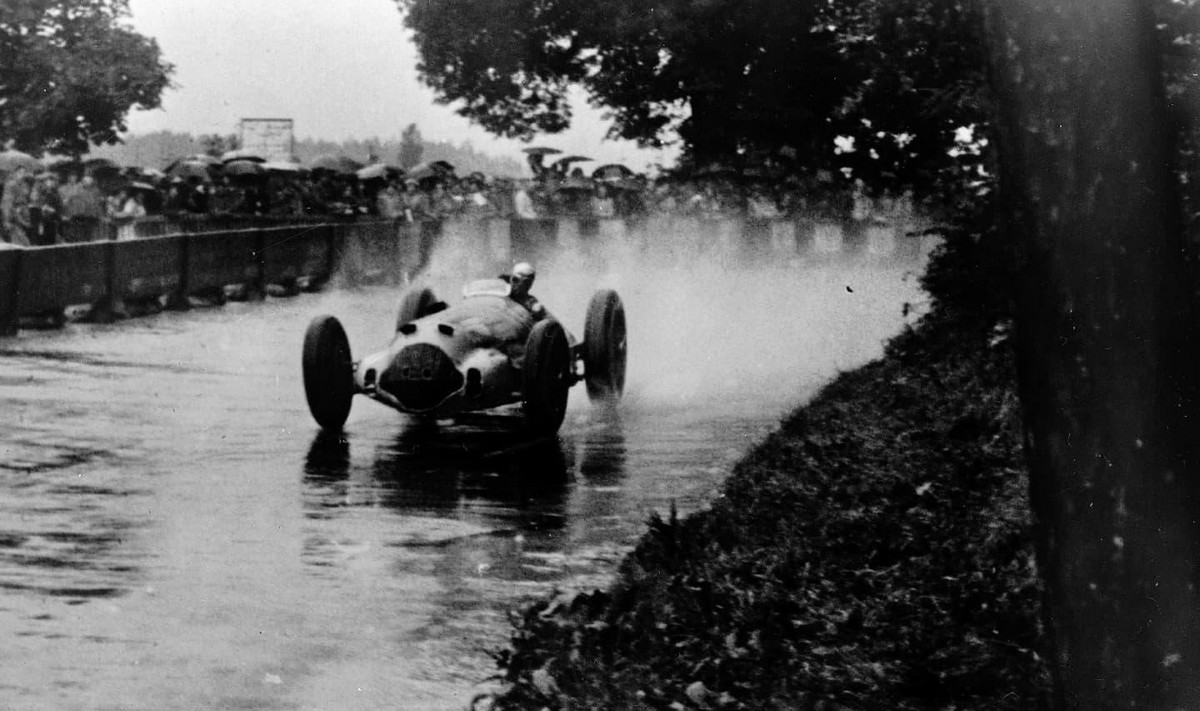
547	377
328	372
415	304
604	347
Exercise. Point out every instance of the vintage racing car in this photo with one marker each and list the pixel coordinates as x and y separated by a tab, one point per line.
484	352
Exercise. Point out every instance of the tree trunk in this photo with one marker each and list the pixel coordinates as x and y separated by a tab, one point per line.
1106	346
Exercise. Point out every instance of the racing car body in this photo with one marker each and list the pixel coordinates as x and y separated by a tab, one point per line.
484	352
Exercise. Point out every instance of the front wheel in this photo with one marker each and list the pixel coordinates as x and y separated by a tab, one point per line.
328	372
546	376
604	347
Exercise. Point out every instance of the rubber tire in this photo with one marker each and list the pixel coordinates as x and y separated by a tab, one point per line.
328	372
415	304
546	375
605	346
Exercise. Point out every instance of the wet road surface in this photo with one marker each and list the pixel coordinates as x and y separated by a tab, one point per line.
175	532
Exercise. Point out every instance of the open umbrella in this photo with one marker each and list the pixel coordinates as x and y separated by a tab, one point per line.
715	170
377	171
285	166
101	166
541	150
242	154
189	169
10	160
142	187
442	166
576	184
243	167
630	184
568	160
335	164
611	172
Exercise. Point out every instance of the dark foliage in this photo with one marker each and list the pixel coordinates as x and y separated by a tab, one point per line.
873	553
70	71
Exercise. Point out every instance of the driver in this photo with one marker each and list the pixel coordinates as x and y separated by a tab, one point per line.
521	281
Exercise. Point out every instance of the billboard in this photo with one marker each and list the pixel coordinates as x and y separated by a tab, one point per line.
268	137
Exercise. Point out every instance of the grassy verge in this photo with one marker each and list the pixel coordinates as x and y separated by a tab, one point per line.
873	553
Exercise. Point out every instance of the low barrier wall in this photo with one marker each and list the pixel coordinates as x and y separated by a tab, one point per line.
41	281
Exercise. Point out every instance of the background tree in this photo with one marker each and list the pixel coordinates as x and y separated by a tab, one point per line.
1106	334
412	147
71	71
728	75
214	144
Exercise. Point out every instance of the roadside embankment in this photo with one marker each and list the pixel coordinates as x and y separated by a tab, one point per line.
874	552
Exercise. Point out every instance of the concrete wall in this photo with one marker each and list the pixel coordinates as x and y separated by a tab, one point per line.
37	281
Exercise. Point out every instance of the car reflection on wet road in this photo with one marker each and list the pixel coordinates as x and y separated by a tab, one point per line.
175	531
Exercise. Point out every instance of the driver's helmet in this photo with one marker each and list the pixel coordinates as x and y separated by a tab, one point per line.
522	278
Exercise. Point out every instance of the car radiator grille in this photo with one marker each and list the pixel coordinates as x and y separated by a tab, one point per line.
421	377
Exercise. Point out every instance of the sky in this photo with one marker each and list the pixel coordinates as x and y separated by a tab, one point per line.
340	69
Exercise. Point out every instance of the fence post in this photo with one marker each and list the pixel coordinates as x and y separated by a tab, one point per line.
10	284
178	300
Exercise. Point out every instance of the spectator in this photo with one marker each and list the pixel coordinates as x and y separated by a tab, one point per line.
14	207
46	208
603	205
476	201
442	204
129	210
761	204
176	202
389	203
83	209
522	203
417	206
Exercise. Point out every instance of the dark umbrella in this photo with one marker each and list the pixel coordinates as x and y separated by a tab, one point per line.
242	154
611	172
568	160
438	169
10	160
189	169
243	167
143	187
576	184
715	170
101	165
541	151
629	184
335	164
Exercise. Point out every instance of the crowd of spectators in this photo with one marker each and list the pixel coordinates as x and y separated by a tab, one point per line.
49	207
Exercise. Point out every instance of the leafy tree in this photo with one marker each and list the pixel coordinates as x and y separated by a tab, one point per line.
924	69
412	147
728	75
214	144
71	71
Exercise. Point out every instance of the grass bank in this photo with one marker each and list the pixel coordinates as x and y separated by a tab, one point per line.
873	553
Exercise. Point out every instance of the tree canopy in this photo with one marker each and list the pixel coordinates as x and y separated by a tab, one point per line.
728	75
71	71
731	78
